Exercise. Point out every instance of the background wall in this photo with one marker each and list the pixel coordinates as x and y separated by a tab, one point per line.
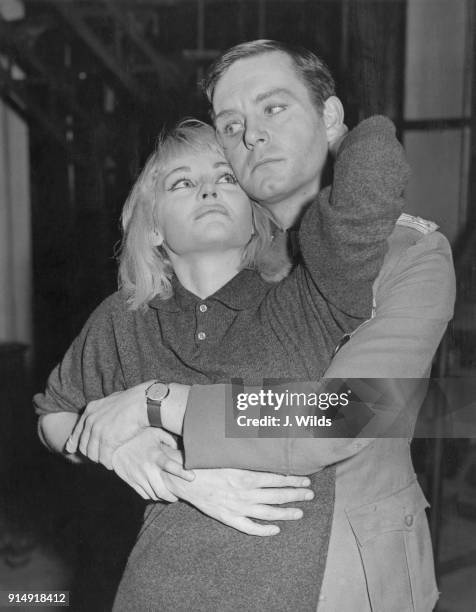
85	86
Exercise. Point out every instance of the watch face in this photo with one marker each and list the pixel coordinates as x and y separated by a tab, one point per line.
157	392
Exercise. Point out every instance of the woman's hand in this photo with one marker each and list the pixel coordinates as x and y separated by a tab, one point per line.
143	461
234	497
108	422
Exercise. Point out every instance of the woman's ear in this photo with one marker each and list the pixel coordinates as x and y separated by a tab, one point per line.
156	238
333	116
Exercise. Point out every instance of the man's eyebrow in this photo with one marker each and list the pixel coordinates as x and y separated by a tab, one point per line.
223	113
221	163
178	169
259	98
273	92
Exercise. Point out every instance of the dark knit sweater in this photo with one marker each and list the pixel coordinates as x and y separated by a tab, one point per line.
184	560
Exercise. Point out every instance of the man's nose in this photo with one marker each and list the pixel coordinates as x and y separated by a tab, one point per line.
255	134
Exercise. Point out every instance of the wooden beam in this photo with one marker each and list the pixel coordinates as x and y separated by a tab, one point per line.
168	72
26	54
72	16
14	97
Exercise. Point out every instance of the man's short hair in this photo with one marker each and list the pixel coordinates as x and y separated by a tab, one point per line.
312	70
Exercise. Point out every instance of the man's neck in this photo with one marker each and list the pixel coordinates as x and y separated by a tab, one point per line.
288	211
205	273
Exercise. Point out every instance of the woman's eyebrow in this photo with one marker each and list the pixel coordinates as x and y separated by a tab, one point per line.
178	169
221	163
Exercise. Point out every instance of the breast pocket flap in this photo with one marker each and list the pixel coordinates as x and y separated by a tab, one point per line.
398	512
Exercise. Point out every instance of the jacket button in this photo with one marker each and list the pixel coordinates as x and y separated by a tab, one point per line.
409	520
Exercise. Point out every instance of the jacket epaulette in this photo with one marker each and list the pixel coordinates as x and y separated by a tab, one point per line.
417	223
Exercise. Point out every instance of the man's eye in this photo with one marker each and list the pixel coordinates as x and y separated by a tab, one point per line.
228	177
274	109
182	183
231	128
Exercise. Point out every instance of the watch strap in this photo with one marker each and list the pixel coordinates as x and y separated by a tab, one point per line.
154	414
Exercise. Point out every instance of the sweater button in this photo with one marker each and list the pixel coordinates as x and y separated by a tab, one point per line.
201	335
203	308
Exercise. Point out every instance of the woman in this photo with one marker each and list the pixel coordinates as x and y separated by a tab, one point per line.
187	213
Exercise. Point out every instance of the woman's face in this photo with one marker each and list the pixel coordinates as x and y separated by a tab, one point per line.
201	207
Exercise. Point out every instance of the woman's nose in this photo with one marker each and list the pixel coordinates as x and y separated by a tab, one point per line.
209	191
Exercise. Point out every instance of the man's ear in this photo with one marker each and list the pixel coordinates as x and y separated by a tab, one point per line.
156	237
333	115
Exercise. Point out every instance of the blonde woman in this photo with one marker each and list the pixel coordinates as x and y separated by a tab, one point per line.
192	310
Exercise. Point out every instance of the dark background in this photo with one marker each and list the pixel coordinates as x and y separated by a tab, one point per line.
101	79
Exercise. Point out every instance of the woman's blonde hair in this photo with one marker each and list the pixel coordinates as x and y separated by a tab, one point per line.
144	269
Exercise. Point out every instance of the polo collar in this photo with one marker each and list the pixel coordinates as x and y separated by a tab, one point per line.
241	292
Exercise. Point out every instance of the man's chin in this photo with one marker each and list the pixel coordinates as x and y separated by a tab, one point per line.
268	192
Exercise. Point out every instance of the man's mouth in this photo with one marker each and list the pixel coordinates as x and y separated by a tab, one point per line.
208	209
266	161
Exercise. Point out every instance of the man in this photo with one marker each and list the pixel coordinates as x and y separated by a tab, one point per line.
274	109
379	555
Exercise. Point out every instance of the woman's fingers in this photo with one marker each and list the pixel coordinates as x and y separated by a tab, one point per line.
73	440
159	488
172	467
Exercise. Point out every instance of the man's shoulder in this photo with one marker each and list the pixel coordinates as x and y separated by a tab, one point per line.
411	238
416	248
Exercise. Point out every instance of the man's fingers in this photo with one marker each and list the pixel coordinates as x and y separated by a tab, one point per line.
271	513
245	525
266	479
282	496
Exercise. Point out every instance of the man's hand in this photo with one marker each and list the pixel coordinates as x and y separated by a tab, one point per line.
142	462
109	422
234	497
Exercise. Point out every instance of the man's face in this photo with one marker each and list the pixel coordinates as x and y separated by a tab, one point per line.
272	134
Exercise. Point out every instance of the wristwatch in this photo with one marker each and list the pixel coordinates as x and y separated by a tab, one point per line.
155	395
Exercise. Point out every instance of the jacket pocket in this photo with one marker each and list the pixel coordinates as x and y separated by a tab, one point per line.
395	548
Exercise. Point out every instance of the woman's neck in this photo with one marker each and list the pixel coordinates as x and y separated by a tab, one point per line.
204	273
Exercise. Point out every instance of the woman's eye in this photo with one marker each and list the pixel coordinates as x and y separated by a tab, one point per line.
182	183
274	109
228	177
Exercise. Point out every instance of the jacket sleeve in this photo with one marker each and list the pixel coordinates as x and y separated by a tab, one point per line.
415	298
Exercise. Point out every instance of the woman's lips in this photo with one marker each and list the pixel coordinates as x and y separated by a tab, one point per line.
211	208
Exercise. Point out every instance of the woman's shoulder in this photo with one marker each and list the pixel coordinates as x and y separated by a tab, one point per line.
114	309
